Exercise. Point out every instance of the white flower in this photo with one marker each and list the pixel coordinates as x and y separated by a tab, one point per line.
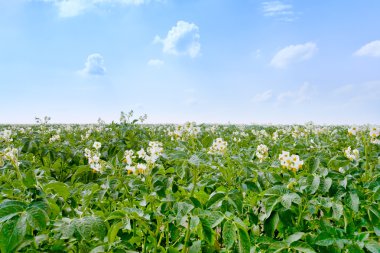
352	130
130	169
262	152
374	132
141	153
291	162
351	155
128	155
97	145
219	146
141	167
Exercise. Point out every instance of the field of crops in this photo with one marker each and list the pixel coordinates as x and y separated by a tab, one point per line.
131	187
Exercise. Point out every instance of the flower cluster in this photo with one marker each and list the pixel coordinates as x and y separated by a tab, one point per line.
291	162
184	132
374	133
6	135
262	152
353	130
351	154
54	138
93	157
10	154
154	151
219	147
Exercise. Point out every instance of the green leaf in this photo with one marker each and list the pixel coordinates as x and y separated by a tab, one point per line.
270	224
235	198
99	249
289	198
215	198
11	208
58	187
337	208
215	218
294	237
207	232
324	239
90	225
12	234
372	246
244	245
302	247
326	184
196	247
112	233
37	218
353	201
315	184
229	234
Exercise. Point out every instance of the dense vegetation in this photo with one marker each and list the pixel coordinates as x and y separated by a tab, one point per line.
131	187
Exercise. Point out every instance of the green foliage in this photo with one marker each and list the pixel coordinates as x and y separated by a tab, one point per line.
188	200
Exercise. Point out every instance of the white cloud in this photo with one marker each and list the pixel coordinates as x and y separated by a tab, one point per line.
361	92
182	39
293	53
275	8
262	97
155	62
298	96
370	49
71	8
94	65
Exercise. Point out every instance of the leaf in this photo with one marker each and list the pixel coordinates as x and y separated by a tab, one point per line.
207	232
302	247
112	232
326	184
235	198
353	201
229	234
196	247
372	246
337	208
270	224
315	184
215	218
12	234
98	249
182	209
324	239
11	208
215	198
37	218
90	225
244	245
288	198
294	237
58	187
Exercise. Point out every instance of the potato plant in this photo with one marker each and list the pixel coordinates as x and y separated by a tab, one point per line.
131	187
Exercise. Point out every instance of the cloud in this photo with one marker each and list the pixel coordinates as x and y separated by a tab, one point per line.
71	8
155	62
279	10
361	92
371	49
275	8
293	53
262	97
94	66
298	96
182	39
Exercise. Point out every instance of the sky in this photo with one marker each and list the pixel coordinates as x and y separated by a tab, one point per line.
208	61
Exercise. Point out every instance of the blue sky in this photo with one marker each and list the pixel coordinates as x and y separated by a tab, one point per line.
218	61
